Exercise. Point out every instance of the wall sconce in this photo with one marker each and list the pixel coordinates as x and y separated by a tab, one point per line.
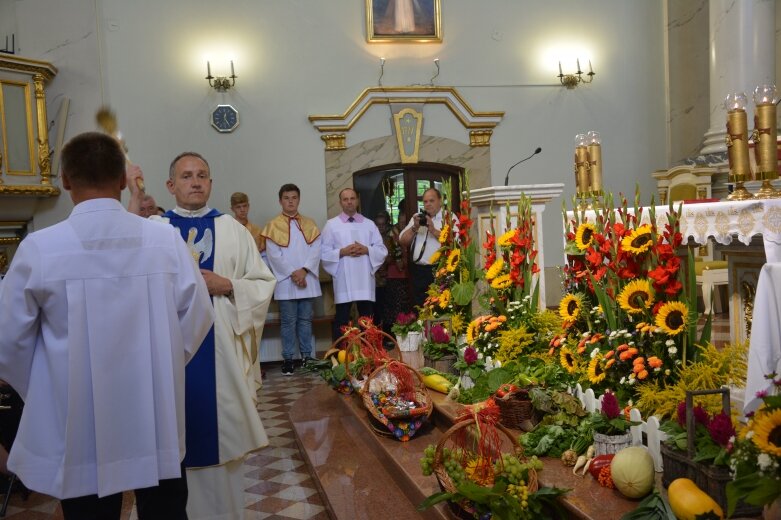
571	80
220	83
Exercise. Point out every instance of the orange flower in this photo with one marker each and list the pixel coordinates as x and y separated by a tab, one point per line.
623	347
624	356
609	354
632	351
639	361
638	368
609	363
582	343
596	337
551	352
642	375
655	362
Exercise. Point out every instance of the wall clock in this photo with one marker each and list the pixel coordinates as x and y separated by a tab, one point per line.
225	118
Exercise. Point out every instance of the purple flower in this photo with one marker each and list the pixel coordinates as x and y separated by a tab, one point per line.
439	334
470	355
721	429
610	406
700	415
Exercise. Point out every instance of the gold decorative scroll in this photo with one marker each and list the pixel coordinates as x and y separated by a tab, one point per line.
408	124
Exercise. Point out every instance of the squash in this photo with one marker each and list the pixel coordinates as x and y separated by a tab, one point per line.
688	501
632	470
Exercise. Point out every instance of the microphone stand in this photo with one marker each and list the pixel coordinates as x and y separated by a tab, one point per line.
507	177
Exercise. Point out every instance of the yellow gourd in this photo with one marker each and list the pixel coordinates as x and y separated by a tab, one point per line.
438	383
687	500
342	356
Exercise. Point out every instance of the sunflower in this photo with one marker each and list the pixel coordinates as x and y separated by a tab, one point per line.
639	240
444	234
506	239
568	360
672	318
596	373
494	270
636	296
502	282
767	433
569	308
457	323
435	257
444	298
452	260
584	235
474	329
480	471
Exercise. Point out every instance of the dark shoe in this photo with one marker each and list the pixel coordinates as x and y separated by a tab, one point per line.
287	367
306	359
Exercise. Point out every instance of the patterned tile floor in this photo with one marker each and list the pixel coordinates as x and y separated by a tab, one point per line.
278	485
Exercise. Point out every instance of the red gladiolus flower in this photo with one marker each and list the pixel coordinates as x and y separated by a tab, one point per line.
673	288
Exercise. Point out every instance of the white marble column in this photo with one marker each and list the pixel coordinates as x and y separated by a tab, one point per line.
742	56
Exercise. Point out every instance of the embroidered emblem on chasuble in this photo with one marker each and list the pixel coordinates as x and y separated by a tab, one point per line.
200	385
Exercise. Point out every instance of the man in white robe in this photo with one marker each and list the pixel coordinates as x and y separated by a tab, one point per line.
293	253
352	250
99	315
223	424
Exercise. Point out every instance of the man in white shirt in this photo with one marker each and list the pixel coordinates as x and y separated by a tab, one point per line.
293	253
422	237
223	424
99	315
352	251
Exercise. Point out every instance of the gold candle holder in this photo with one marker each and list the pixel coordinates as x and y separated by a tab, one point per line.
737	148
595	165
765	139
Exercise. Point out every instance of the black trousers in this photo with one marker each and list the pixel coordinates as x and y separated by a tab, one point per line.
421	276
342	317
166	501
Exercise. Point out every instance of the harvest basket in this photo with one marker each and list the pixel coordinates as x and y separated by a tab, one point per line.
391	414
711	479
517	411
464	509
339	376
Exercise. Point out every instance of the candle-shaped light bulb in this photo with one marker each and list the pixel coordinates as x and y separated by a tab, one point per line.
590	70
232	73
735	101
765	95
208	68
577	60
560	72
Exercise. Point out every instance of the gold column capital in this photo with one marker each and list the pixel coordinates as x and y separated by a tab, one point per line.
480	137
334	141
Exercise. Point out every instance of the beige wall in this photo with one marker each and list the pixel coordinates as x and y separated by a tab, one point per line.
295	58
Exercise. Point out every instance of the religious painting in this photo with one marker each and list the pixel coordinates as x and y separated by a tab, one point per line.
399	21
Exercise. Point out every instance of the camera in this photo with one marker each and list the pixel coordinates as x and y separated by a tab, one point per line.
422	219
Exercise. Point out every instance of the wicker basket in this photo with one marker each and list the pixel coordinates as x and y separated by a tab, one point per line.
711	479
464	509
401	425
517	410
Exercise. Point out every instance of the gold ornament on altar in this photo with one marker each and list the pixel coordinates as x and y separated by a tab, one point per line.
588	168
765	137
737	145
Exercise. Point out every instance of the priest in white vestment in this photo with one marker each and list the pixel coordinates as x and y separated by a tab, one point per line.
98	316
352	250
223	424
764	355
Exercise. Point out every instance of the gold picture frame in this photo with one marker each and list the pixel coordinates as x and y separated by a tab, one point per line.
404	21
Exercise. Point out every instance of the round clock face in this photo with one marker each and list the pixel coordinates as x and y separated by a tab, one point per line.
225	118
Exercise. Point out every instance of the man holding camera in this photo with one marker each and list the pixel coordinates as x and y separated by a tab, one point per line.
422	237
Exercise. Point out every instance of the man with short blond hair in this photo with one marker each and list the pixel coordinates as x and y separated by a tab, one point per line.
240	209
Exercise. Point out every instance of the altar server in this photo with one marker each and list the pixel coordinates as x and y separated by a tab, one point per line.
99	315
352	251
223	379
293	253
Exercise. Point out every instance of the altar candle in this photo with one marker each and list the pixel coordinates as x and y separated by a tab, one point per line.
560	72
232	73
208	68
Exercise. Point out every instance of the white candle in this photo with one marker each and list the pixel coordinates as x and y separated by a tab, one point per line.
232	73
208	68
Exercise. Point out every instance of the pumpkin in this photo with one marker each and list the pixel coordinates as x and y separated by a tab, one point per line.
688	501
632	471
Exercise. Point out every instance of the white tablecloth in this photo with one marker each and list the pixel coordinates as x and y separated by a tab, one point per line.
764	356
